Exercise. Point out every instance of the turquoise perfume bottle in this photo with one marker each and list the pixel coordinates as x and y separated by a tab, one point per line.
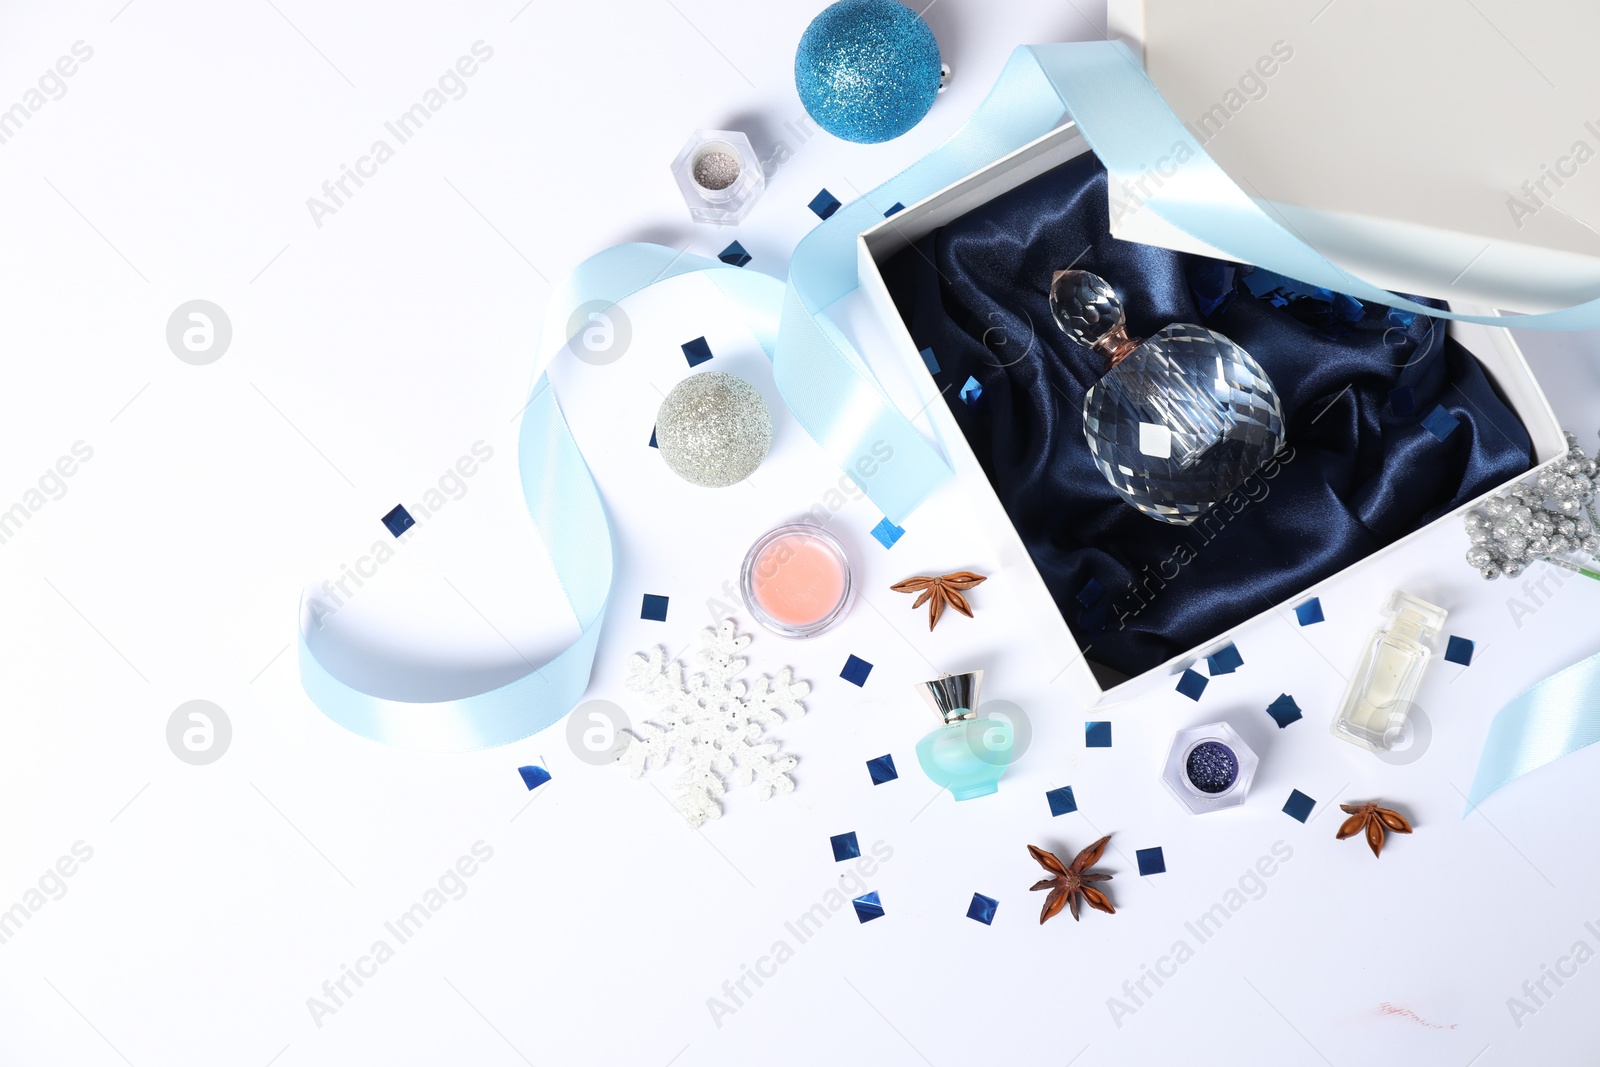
967	755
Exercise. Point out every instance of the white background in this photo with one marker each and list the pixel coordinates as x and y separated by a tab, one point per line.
368	355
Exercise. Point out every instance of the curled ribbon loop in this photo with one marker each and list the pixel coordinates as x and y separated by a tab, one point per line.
567	513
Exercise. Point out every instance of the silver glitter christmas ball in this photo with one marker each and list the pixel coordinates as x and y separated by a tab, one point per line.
713	429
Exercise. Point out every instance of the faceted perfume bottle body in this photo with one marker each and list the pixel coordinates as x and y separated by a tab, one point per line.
1181	419
967	757
1380	696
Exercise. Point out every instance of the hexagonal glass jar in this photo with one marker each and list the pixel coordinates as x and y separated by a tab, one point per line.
719	175
1209	768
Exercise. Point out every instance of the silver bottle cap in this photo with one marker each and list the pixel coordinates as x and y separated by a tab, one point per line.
953	697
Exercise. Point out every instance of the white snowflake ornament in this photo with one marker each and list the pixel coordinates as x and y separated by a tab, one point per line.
710	725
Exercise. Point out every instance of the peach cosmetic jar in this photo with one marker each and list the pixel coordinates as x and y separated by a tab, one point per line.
796	580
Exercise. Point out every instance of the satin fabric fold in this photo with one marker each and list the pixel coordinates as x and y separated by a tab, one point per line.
1360	470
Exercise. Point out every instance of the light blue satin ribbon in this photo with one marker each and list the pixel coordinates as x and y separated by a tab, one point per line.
1132	129
1554	718
1102	87
823	380
566	509
821	377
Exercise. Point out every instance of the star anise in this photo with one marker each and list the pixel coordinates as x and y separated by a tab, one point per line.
1374	820
939	593
1071	882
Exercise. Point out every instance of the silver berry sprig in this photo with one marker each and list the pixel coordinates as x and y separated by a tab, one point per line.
1529	523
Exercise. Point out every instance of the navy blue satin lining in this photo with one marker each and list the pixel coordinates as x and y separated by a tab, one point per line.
1364	471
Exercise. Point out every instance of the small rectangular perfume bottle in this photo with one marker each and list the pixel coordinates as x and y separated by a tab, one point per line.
1379	698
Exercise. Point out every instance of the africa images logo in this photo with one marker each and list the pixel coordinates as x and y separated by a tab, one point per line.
451	885
451	85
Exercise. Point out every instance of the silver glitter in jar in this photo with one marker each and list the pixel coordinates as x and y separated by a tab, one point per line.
713	429
716	169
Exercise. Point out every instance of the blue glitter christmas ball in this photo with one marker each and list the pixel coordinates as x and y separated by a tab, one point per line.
867	70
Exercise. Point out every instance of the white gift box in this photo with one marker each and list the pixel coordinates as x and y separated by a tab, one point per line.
896	360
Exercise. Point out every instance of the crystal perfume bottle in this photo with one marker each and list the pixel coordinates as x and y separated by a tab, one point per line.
1379	697
1180	419
967	755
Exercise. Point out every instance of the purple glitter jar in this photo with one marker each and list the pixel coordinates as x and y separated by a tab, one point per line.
1209	768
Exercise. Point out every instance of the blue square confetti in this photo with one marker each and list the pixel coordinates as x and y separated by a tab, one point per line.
894	209
971	391
887	533
1440	422
1298	806
1093	620
697	351
399	520
929	361
1459	650
654	609
1348	308
844	847
533	776
734	255
1192	684
1151	861
1091	593
982	908
653	438
856	670
1309	613
1224	660
824	204
1402	401
1096	735
868	907
882	770
1062	802
1284	710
